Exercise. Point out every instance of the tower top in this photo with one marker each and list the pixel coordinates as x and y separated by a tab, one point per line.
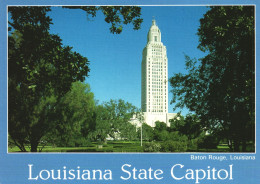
154	22
154	34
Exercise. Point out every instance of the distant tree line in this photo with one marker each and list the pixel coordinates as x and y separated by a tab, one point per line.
183	134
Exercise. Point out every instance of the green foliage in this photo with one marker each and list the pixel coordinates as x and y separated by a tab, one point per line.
220	87
77	117
160	126
188	125
193	145
189	144
113	119
147	132
174	146
41	71
128	132
152	147
115	15
208	142
160	131
177	123
161	135
111	146
175	136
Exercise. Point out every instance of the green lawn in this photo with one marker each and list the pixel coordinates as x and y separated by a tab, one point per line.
114	146
111	146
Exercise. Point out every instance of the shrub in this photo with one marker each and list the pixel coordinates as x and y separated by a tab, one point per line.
163	135
175	136
208	142
174	146
151	147
193	144
80	142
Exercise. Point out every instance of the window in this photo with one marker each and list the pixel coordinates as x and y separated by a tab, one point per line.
155	38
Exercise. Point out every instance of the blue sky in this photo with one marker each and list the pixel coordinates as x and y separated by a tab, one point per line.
115	60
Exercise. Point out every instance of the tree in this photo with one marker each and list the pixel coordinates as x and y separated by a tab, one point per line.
160	126
113	119
116	15
41	70
129	132
103	125
77	117
160	131
147	132
188	125
220	88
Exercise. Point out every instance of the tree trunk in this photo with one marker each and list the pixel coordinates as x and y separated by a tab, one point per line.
236	145
34	145
20	146
230	145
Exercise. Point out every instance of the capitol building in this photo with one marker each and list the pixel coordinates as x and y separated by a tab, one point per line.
154	94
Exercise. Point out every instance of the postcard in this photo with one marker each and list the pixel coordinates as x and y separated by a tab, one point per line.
129	92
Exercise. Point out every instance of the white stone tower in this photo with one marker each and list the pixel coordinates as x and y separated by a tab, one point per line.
154	95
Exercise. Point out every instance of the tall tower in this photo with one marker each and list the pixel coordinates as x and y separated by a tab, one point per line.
154	95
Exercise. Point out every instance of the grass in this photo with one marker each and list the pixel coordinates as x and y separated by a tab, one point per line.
220	148
119	147
111	146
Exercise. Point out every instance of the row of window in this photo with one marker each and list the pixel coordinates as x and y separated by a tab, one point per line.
160	88
157	53
156	60
155	66
156	110
157	49
155	106
157	78
156	87
158	98
158	83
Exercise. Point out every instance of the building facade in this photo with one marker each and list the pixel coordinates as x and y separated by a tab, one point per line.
154	94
